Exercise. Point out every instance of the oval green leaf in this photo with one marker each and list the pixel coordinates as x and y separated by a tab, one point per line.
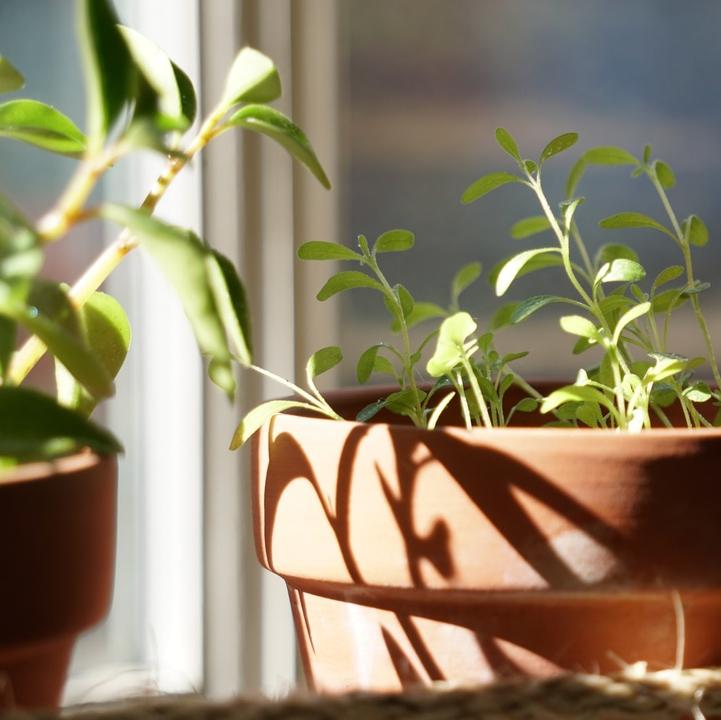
182	258
10	77
261	414
486	184
530	226
394	241
252	78
507	143
322	361
41	125
35	427
269	121
558	145
514	267
319	250
633	220
347	280
695	231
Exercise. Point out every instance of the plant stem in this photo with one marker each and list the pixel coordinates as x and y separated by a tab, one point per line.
67	212
476	388
418	417
683	243
323	406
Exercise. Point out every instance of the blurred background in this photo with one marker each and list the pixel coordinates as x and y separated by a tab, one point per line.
401	99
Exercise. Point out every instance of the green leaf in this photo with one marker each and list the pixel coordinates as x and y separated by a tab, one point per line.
668	300
609	155
107	333
232	303
318	250
8	332
633	220
614	251
620	270
163	76
628	317
450	346
42	125
581	326
695	230
664	174
183	259
366	363
10	77
666	366
111	77
252	78
404	402
503	316
322	361
438	410
526	405
667	275
558	145
568	210
529	306
699	392
370	410
465	277
576	393
405	299
507	143
421	311
484	185
531	166
515	266
261	414
394	241
20	251
347	280
269	121
530	226
575	175
647	151
33	427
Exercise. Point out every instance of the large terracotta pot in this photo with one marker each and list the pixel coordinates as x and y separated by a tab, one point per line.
413	556
57	549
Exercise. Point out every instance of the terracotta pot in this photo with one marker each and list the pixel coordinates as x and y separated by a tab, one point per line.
57	551
413	556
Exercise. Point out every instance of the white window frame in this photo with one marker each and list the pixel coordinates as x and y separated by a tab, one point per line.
208	618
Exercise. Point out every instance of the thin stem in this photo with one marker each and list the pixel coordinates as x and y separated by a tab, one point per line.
476	388
322	407
418	418
683	243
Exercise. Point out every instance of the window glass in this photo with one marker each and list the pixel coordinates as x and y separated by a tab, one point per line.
427	83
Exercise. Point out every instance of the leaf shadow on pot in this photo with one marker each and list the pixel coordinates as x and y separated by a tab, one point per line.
438	575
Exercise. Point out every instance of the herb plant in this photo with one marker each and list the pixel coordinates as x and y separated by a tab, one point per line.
637	377
138	99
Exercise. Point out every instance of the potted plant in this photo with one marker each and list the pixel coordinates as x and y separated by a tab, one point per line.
472	525
57	467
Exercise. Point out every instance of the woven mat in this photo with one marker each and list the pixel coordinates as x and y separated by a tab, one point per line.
671	694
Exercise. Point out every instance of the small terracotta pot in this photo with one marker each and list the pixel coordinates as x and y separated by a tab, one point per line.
57	552
413	556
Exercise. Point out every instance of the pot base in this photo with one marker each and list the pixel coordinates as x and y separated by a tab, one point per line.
371	639
34	675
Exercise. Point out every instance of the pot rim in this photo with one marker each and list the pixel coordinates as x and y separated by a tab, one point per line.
354	392
44	469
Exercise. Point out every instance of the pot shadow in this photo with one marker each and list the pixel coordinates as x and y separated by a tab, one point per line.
493	488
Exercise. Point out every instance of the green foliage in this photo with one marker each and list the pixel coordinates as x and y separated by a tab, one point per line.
269	121
10	77
137	98
39	124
